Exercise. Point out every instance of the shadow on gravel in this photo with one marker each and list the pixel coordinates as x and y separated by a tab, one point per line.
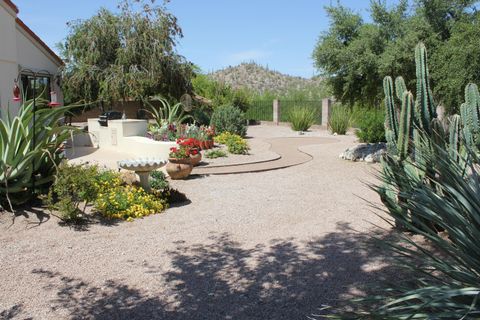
221	279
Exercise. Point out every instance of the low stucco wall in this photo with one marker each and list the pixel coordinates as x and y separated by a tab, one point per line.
127	136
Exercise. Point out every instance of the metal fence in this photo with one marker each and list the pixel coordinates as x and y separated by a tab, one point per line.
287	106
262	110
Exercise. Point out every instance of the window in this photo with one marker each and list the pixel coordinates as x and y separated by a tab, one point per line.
41	85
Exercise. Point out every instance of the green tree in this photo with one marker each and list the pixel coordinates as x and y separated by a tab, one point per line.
457	63
125	55
355	56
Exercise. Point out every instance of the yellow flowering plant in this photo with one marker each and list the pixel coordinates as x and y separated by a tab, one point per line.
128	203
235	143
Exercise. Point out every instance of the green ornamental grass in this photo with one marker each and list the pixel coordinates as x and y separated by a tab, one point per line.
339	120
301	119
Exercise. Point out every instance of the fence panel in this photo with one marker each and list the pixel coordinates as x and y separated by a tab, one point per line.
260	110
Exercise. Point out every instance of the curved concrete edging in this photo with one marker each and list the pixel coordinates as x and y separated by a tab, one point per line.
287	148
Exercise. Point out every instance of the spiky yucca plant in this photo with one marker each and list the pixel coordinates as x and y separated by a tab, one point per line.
301	119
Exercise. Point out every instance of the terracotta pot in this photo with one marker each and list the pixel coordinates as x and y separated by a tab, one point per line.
195	160
179	169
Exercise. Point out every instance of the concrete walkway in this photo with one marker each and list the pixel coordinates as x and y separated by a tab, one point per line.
288	149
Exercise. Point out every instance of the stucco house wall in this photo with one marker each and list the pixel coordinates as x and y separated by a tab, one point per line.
21	48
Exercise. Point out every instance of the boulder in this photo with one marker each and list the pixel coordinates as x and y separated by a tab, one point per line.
368	152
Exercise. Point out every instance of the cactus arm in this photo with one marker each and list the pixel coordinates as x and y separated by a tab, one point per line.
472	100
400	87
391	120
391	142
406	128
438	133
424	104
454	137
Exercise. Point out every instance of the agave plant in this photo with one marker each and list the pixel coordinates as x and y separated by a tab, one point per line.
166	113
24	165
446	266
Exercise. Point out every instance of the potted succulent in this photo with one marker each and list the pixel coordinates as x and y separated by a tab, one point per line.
179	165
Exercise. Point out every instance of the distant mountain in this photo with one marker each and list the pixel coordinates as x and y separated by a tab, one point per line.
260	79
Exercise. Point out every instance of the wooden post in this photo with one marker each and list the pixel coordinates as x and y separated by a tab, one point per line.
326	111
276	112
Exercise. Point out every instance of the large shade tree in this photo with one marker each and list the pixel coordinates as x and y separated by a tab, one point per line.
355	55
126	55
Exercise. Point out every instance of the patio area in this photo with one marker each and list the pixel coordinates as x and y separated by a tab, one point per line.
266	245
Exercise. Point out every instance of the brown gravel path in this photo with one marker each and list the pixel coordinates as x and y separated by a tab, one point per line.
269	245
287	149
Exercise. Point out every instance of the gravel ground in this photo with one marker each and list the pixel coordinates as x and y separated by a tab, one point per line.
272	245
259	151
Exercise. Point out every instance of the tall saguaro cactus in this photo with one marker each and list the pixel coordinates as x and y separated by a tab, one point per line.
405	132
425	106
470	115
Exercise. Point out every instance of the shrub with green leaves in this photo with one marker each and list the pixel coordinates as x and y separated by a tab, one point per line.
339	121
301	119
217	153
229	119
158	180
370	125
75	187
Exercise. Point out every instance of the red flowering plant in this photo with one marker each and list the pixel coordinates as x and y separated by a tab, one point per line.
190	143
187	147
179	153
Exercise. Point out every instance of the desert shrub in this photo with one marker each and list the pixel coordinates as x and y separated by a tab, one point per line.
107	179
127	203
213	154
339	120
73	189
229	119
158	180
201	115
301	119
77	186
223	137
235	144
370	125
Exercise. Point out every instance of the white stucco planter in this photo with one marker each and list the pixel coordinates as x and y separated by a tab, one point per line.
128	136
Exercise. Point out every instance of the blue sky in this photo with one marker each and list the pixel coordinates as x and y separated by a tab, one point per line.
217	33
